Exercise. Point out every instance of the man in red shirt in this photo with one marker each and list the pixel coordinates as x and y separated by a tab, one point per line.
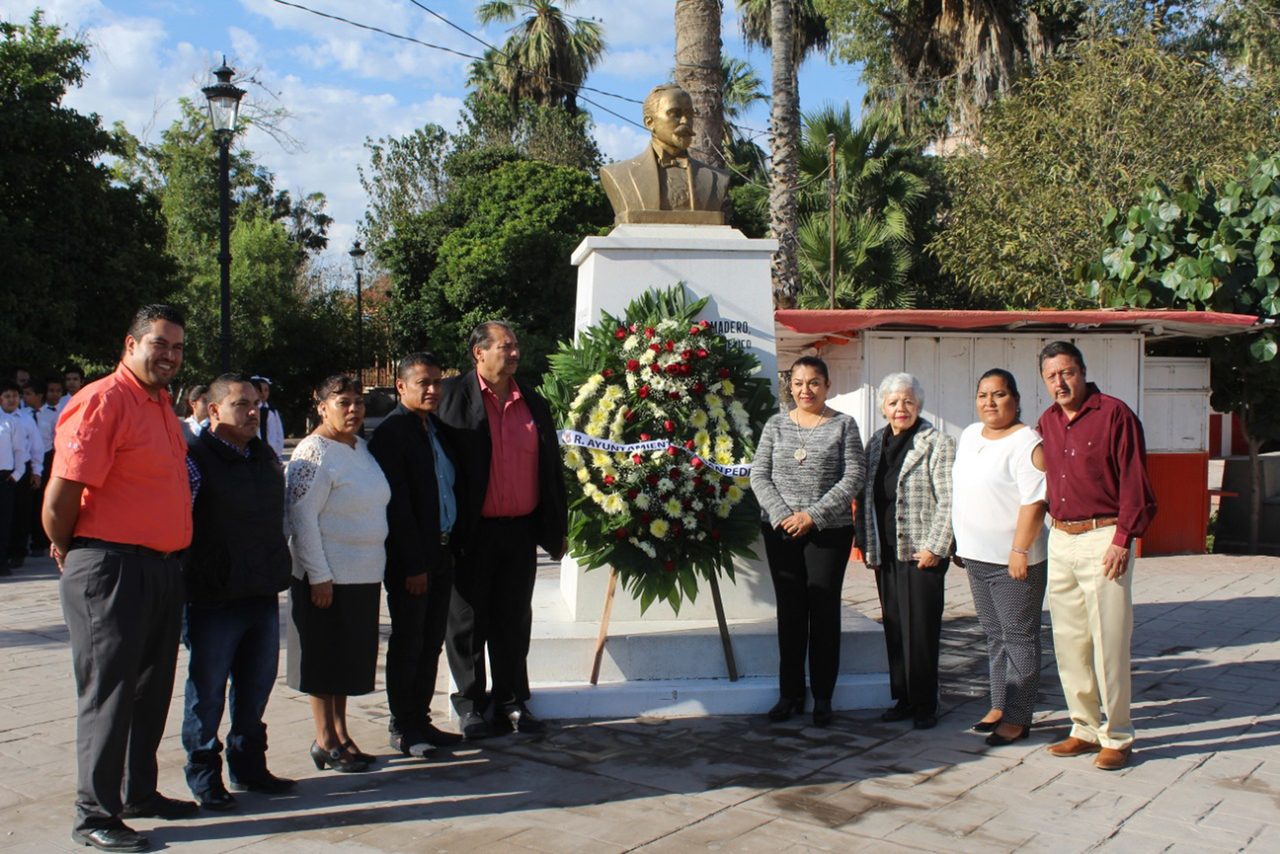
509	463
1100	500
118	514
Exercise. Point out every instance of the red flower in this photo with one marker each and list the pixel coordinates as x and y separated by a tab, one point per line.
652	479
686	354
668	426
673	369
620	533
674	395
629	415
620	333
675	474
655	347
695	330
677	529
697	478
643	391
671	450
606	373
637	459
632	327
699	388
702	353
724	487
644	437
669	566
609	479
671	346
685	370
697	462
704	324
646	517
649	332
655	369
689	444
723	373
632	493
686	503
715	535
633	365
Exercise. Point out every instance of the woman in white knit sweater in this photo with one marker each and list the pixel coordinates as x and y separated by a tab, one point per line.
337	498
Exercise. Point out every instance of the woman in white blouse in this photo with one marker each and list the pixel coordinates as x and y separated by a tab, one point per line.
1002	541
337	497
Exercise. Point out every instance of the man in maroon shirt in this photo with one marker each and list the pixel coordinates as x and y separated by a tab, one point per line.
509	464
1100	500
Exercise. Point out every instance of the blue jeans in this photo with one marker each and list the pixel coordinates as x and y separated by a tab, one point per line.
240	641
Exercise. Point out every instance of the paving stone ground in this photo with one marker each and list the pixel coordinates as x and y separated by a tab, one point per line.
1206	776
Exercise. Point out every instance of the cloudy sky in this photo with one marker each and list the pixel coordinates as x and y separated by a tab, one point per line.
342	84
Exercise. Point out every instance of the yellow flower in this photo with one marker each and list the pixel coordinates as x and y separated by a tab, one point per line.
573	458
599	459
723	509
726	387
713	401
724	458
701	438
614	504
659	528
734	494
744	482
584	475
612	393
699	419
672	507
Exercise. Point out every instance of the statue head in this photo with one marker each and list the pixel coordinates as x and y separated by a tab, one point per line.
668	114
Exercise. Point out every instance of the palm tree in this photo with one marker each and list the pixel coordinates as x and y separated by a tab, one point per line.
879	191
698	72
545	60
810	27
742	88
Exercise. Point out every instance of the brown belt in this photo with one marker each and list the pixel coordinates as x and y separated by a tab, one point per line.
1085	525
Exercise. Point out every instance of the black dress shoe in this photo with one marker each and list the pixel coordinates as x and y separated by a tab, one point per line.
474	726
985	726
822	713
218	800
161	807
337	759
926	722
411	744
267	784
119	838
521	720
900	712
785	708
438	737
998	740
350	747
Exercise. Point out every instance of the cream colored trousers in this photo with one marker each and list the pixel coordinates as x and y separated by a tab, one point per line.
1092	626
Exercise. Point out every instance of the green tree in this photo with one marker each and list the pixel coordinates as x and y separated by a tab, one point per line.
537	131
1202	246
546	59
80	252
496	247
404	177
1082	136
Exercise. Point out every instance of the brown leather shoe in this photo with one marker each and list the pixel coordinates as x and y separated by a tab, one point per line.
1113	759
1073	747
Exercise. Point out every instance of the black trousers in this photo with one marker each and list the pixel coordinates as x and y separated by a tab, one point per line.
40	540
911	601
8	492
124	616
20	532
418	626
492	606
808	573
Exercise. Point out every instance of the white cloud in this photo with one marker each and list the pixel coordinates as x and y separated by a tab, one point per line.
618	141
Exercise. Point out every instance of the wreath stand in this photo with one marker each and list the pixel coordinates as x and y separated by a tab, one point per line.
603	636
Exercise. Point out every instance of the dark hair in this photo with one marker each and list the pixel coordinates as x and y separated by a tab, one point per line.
196	392
812	362
221	386
1061	348
1009	382
149	314
10	385
72	369
35	385
335	385
413	360
482	335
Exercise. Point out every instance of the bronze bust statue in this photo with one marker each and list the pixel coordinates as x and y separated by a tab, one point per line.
663	184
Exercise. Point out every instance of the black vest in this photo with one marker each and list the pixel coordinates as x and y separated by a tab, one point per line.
238	547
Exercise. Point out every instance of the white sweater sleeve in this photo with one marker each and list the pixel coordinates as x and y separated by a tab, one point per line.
308	484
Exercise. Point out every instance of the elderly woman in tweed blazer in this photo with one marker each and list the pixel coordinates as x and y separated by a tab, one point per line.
904	531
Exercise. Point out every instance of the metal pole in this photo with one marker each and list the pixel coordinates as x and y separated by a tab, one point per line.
359	337
224	236
831	203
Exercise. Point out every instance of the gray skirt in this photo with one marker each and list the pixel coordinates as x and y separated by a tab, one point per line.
333	650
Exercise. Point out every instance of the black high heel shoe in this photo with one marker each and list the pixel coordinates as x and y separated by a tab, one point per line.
350	747
985	727
998	740
785	708
822	713
343	763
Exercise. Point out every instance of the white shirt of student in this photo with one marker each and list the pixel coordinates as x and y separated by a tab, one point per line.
31	435
993	479
14	451
47	419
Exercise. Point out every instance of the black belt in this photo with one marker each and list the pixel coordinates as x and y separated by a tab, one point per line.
107	545
506	520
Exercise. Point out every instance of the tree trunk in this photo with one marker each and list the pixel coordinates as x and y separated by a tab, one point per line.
698	72
784	136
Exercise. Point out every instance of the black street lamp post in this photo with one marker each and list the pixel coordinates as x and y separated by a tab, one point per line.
224	111
357	261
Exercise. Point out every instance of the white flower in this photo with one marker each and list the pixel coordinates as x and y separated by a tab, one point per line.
647	357
672	508
612	393
698	505
665	485
632	342
642	501
713	402
690	522
723	509
614	504
584	475
667	325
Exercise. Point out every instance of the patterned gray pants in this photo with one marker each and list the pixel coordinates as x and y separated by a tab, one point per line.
1009	611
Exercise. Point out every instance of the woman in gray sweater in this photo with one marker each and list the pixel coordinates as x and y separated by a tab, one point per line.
808	468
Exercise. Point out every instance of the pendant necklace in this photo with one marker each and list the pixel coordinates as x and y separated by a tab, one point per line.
801	454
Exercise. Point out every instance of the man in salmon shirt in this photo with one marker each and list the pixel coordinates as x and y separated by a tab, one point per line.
118	514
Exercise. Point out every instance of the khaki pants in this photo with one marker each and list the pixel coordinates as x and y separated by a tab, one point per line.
1092	627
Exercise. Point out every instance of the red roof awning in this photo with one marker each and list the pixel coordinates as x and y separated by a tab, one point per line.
1196	324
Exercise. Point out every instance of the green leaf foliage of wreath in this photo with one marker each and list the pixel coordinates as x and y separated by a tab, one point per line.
662	519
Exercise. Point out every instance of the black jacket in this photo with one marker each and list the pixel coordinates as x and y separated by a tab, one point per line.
403	450
466	422
238	546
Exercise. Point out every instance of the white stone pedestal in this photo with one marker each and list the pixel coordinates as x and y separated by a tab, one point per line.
661	663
